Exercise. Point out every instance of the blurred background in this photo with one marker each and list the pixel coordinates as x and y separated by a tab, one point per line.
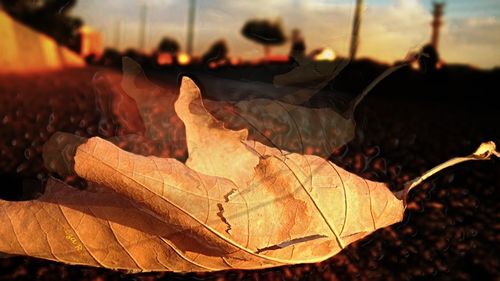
440	103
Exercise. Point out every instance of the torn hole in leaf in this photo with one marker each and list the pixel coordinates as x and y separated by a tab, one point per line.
220	214
291	242
228	195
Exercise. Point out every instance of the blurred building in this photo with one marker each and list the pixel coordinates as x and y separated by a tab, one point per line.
91	42
26	50
274	58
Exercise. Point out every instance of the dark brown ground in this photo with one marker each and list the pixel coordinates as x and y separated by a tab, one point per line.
451	227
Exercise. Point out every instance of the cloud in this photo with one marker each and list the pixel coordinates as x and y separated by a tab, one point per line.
482	22
394	30
475	39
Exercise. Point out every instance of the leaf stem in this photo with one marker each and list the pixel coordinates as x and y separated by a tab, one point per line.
483	152
372	85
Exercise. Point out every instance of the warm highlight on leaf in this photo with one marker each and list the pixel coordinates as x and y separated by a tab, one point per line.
235	204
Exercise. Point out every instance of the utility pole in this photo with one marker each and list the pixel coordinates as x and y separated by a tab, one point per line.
142	27
118	34
437	22
355	29
190	30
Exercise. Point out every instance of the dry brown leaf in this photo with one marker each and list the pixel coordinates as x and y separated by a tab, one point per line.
150	114
309	76
290	127
234	204
281	123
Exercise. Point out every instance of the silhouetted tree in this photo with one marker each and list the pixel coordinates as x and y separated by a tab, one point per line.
111	57
428	59
48	16
264	32
168	45
218	51
136	55
298	49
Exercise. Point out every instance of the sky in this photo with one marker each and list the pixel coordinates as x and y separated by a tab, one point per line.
390	29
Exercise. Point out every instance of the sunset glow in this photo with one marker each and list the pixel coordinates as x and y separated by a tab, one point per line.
326	54
164	59
389	29
183	59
